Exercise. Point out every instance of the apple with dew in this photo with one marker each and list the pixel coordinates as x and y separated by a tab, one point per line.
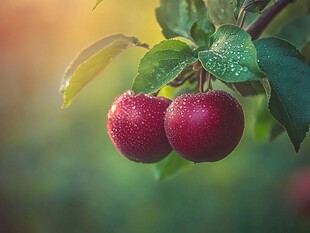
136	127
204	127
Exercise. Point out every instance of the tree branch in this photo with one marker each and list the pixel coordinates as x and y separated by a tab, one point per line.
257	28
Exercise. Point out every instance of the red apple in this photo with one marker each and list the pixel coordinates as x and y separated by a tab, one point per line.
204	127
136	127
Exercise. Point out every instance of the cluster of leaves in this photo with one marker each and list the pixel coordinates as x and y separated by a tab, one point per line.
253	6
270	65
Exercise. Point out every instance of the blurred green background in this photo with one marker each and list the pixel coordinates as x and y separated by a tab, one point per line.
59	172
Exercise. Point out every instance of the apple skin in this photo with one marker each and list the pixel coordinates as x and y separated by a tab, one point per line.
136	127
204	127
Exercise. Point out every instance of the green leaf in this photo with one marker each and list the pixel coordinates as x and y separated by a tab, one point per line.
171	92
171	166
265	126
202	29
253	6
189	19
91	61
176	17
297	31
306	51
164	62
289	77
232	55
97	3
220	12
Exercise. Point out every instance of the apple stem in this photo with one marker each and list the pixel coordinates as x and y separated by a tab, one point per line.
202	80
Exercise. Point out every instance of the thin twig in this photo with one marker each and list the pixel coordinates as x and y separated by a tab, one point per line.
257	28
243	19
